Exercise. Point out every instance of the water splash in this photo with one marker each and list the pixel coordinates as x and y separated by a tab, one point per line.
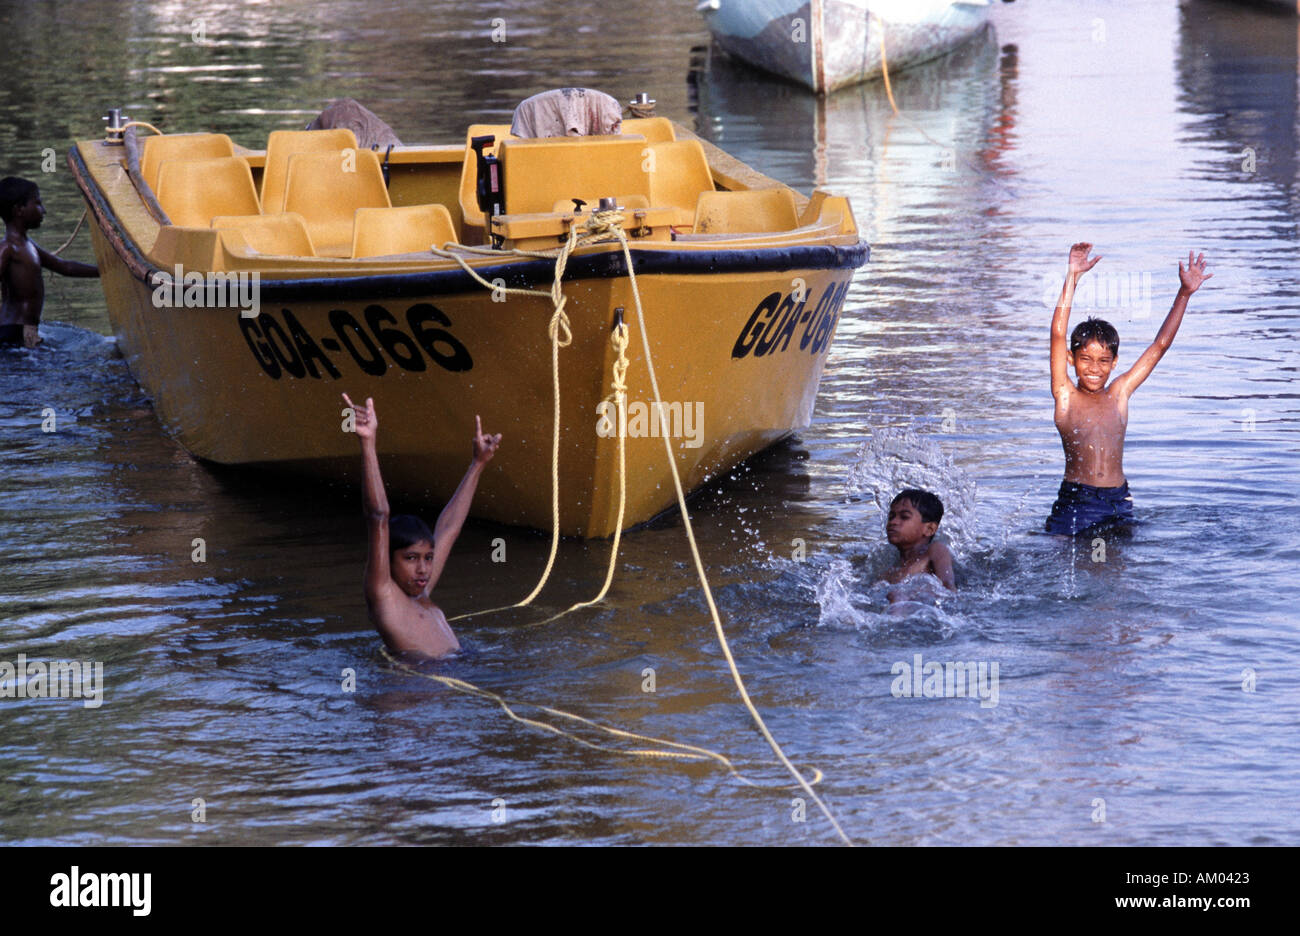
894	459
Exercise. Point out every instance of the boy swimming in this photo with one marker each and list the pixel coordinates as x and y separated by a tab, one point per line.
22	290
1092	417
914	517
405	558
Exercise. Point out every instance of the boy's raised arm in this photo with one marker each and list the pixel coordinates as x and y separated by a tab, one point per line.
453	515
1079	265
65	267
375	500
1189	280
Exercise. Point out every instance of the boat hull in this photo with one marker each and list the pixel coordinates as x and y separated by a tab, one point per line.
738	338
831	44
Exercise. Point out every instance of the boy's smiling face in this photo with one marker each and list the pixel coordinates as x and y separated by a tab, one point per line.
1092	366
411	567
905	528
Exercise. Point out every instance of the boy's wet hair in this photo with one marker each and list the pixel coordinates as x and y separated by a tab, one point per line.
1098	330
407	530
927	505
14	192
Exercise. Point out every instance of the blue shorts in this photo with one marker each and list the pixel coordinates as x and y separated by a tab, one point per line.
1081	507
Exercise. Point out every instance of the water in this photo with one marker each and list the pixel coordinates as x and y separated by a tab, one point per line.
1121	680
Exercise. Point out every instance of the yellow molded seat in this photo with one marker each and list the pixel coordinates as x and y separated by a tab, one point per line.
281	145
284	234
539	173
654	129
194	191
155	150
378	232
681	174
469	211
327	189
759	212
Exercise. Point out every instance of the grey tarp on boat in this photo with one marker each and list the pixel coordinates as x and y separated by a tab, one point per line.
370	130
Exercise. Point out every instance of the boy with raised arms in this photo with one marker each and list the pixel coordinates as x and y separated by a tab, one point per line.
1092	416
405	558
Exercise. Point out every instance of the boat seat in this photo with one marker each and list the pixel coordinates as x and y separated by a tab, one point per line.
327	191
759	211
654	129
283	235
378	232
194	191
281	145
538	173
681	174
155	150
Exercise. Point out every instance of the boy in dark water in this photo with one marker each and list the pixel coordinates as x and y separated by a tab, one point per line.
405	559
1092	417
22	290
914	517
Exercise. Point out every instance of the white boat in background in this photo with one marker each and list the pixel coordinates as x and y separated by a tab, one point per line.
829	44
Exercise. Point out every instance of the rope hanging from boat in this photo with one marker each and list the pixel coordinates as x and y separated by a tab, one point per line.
73	234
889	92
600	225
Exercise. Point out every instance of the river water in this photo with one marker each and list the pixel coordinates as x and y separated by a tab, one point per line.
1147	688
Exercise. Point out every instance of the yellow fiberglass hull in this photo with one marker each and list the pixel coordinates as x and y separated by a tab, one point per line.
738	335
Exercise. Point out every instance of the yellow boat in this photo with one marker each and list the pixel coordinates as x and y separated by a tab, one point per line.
247	288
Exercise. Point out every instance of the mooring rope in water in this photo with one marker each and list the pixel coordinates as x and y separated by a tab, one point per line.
598	225
679	751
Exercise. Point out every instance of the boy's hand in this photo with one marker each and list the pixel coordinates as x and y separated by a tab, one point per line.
485	446
1079	262
363	417
1195	274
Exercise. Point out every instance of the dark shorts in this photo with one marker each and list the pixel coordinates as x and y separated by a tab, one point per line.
1080	508
11	334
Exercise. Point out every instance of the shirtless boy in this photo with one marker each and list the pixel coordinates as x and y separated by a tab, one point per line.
405	559
1092	416
914	518
22	290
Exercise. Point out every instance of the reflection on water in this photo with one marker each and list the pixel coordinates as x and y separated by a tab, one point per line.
1121	672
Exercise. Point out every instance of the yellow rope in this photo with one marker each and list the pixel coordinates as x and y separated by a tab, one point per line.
699	564
682	752
884	65
140	123
601	224
598	225
74	232
884	72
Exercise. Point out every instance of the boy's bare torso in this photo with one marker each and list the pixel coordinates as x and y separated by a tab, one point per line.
914	565
22	292
1092	427
412	625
